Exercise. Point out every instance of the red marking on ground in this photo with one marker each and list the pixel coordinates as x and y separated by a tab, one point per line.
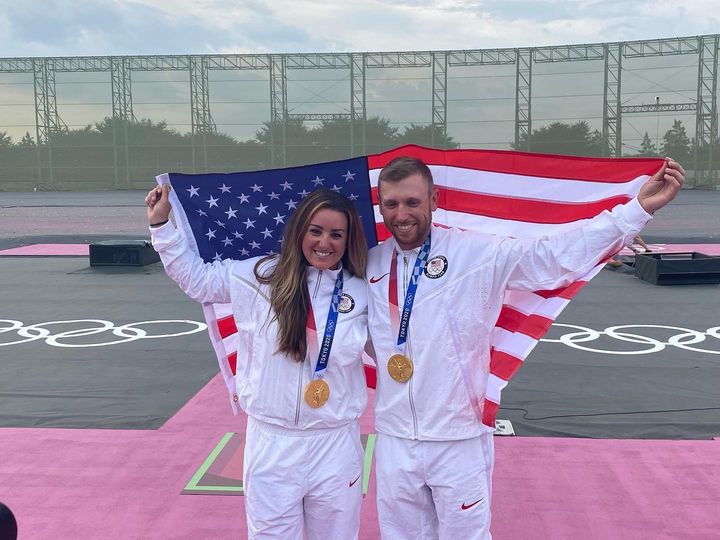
44	250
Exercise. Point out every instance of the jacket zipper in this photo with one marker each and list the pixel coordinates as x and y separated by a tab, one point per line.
299	393
408	350
302	364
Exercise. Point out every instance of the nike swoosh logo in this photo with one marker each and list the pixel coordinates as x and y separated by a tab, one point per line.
466	506
376	279
353	482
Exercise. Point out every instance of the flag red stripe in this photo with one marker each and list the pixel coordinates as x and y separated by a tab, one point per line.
232	362
504	365
606	170
226	326
382	232
490	409
512	320
370	376
518	209
526	210
564	292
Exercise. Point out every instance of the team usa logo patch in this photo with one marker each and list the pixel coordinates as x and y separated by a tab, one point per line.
436	267
346	303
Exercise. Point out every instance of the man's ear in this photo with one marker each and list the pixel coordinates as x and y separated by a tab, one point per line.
434	198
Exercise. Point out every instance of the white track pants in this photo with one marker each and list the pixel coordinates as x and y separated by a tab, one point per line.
299	480
428	490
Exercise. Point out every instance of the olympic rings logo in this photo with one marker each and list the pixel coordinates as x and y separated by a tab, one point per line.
683	338
70	338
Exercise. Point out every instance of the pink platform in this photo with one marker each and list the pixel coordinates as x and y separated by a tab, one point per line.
45	250
82	484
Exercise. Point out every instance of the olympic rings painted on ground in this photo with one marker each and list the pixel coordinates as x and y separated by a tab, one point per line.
683	338
127	332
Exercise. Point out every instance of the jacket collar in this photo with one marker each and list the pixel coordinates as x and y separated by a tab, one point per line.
436	231
313	272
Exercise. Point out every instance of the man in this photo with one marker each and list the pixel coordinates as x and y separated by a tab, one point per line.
434	457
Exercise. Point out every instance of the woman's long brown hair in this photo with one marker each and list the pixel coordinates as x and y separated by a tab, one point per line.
289	297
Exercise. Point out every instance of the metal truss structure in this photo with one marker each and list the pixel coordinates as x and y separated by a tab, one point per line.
121	89
47	120
439	96
440	64
706	127
278	106
658	107
358	110
612	104
523	91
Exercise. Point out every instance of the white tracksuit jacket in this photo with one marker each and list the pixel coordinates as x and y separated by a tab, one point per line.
454	314
270	387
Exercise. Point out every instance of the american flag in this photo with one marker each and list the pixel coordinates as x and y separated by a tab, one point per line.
241	215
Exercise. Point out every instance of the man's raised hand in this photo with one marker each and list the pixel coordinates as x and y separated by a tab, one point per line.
662	187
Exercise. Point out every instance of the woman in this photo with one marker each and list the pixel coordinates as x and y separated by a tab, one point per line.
301	318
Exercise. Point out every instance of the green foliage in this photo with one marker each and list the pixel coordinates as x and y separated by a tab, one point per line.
119	153
294	132
343	138
334	139
27	141
708	157
677	144
560	138
379	135
647	147
426	135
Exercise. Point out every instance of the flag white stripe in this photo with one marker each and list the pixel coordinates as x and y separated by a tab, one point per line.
502	227
529	187
514	343
495	387
533	304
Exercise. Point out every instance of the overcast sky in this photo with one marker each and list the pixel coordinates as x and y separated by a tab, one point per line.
115	27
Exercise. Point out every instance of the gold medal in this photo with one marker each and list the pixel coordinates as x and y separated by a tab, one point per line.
317	393
400	368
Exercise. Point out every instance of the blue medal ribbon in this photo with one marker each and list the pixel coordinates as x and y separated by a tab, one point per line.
330	325
418	269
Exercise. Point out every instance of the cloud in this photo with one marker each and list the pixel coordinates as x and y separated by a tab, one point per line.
66	27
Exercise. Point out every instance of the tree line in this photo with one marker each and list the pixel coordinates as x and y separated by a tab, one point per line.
579	140
117	153
122	154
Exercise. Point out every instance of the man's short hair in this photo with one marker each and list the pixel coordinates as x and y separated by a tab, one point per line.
402	167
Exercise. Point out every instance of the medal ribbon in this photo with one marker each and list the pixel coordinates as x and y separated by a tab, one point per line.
323	353
400	323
